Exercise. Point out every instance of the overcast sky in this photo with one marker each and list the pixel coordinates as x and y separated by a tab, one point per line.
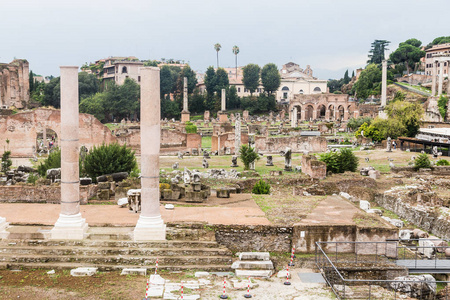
329	35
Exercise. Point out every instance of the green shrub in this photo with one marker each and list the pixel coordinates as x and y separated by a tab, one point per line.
108	159
261	187
32	178
190	128
443	162
247	156
53	161
340	162
422	161
6	161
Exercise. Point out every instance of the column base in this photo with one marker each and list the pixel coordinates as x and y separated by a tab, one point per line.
223	117
185	117
149	229
69	227
3	225
382	114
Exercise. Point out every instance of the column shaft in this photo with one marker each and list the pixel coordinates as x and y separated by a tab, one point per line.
185	95
383	83
224	101
441	77
433	79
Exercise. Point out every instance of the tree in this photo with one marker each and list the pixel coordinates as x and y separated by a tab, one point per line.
94	105
53	161
210	80
438	41
108	159
217	47
236	52
335	84
409	115
233	98
355	123
377	50
222	81
340	162
251	77
346	77
168	79
353	73
247	155
442	106
408	53
31	82
122	101
88	85
196	102
52	92
366	84
270	78
422	161
191	80
6	161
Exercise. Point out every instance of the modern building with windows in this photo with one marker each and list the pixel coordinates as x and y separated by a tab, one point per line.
429	59
294	80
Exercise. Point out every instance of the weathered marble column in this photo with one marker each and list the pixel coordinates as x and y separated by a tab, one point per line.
224	101
237	134
185	115
441	77
150	225
383	83
3	225
70	225
433	79
294	117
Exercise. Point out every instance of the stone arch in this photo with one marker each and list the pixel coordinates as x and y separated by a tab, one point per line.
124	70
285	92
331	112
340	112
321	111
309	113
349	112
285	88
46	140
317	90
300	92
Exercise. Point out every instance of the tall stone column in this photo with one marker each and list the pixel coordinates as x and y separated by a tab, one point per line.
383	83
294	117
237	134
433	79
70	225
441	77
222	114
3	225
150	225
185	115
224	101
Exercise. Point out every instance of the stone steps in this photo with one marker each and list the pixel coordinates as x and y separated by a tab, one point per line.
113	267
69	250
114	259
110	243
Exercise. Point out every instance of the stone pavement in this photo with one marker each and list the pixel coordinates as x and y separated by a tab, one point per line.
247	213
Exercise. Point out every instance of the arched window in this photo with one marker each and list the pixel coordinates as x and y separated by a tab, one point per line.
317	89
285	88
124	70
300	92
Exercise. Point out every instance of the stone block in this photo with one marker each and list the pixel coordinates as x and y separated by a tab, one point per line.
135	271
83	272
103	194
195	197
253	265
283	274
364	205
157	280
171	195
201	274
419	234
254	273
374	174
405	234
104	185
254	256
122	202
426	248
155	291
223	193
85	181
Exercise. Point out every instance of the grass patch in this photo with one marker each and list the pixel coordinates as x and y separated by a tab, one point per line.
206	142
367	220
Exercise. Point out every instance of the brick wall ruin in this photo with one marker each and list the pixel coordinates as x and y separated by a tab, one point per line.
14	84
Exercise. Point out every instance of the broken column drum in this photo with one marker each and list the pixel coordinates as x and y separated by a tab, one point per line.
150	225
69	225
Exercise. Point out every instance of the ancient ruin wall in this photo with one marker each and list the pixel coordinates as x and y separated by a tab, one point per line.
40	194
296	143
22	129
14	84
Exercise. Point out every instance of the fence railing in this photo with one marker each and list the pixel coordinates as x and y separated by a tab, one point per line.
332	257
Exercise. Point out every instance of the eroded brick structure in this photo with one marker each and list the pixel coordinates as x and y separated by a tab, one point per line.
14	84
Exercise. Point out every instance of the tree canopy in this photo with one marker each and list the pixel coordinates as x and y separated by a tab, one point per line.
270	78
408	53
251	73
376	53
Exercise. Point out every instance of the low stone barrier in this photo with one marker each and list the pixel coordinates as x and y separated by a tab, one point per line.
40	193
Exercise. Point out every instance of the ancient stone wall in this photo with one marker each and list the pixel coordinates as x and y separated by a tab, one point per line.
22	129
368	110
14	84
193	140
296	143
314	168
41	194
226	140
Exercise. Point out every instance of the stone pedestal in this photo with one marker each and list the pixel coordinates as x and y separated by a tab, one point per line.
70	224
150	225
3	225
185	116
223	117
